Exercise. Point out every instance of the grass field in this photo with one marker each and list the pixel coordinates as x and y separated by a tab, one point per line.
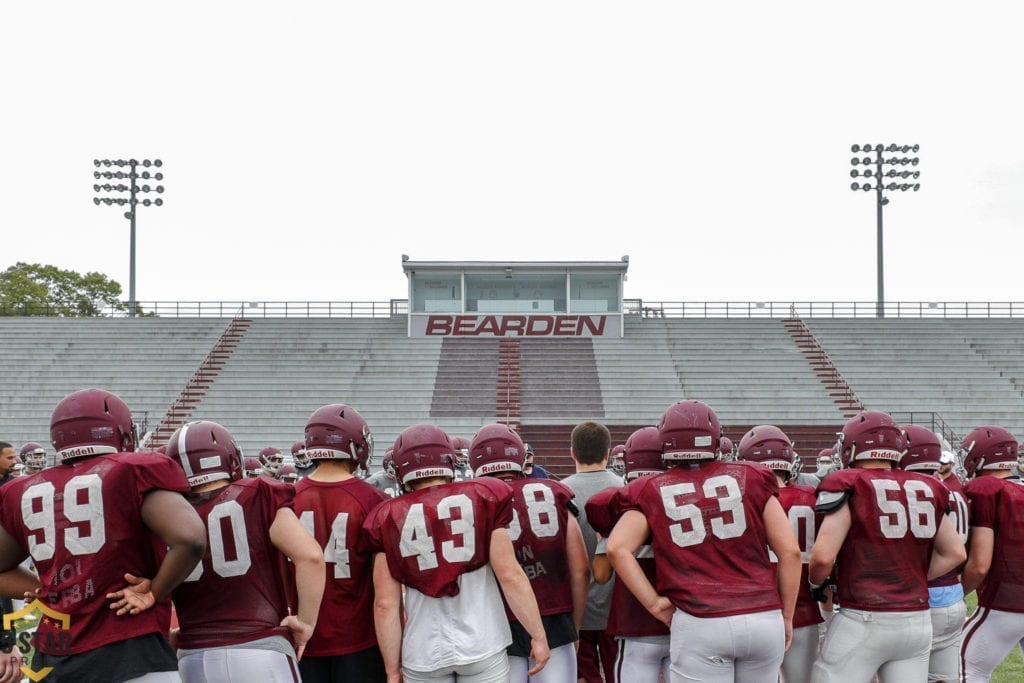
1012	668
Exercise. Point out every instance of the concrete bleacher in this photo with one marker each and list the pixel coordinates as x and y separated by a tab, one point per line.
284	369
965	370
146	361
751	371
560	381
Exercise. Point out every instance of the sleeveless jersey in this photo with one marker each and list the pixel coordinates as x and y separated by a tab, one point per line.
998	504
432	536
539	517
709	538
883	563
82	524
238	592
627	618
334	513
959	516
798	502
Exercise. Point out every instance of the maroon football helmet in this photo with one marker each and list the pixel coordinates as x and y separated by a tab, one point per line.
461	445
423	451
389	460
689	431
91	422
287	474
33	456
642	454
923	449
299	455
271	460
769	445
206	452
989	448
252	467
871	435
615	462
726	450
495	449
338	432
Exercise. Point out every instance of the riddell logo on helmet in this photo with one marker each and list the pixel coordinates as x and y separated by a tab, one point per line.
492	467
79	451
428	472
326	454
879	454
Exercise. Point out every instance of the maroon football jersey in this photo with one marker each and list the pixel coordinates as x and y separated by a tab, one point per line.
959	516
334	513
798	502
709	537
433	536
82	524
997	504
627	618
883	564
540	514
238	592
603	511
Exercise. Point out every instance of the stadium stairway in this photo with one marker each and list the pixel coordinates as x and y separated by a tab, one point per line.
969	371
204	376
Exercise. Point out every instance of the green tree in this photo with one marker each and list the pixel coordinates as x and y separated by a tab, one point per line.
35	289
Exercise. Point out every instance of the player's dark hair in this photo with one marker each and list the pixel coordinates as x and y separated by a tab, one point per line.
591	442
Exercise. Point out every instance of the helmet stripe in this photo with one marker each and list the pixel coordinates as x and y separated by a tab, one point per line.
183	452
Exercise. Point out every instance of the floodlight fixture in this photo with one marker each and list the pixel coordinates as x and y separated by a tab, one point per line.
884	155
130	201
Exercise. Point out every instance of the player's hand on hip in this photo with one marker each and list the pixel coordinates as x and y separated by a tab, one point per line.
301	633
135	598
663	610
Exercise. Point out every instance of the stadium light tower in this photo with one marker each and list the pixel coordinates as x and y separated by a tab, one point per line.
891	180
114	194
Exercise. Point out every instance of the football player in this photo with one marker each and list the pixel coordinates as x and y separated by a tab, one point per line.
549	544
302	462
886	534
643	641
711	524
726	449
332	503
995	556
945	593
615	463
385	480
233	612
769	446
448	544
271	460
86	524
34	457
287	474
462	469
252	467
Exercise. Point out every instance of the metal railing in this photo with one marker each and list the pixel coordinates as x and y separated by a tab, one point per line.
932	421
631	307
822	309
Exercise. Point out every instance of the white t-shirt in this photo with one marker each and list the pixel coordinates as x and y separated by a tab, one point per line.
452	631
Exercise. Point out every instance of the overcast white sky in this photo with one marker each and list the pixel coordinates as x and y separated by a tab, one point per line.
307	145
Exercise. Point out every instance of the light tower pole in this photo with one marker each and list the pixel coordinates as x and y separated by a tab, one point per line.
884	181
115	195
